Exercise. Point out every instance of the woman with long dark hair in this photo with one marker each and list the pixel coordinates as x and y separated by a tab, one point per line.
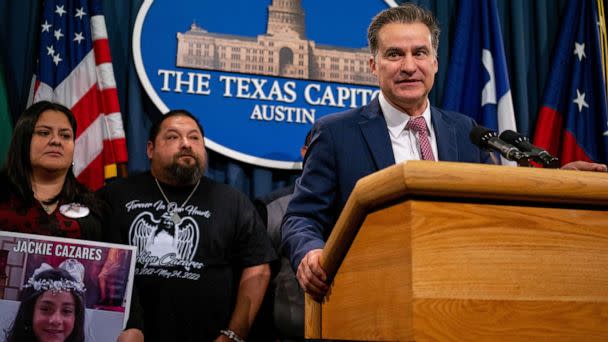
39	193
43	194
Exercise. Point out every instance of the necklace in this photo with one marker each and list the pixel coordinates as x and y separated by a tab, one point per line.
174	216
47	207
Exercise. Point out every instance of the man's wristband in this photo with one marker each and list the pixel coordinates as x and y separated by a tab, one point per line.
232	335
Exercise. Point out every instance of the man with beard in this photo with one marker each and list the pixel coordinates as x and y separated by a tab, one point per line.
203	253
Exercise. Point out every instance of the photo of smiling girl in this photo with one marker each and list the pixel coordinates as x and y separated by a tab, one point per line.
52	305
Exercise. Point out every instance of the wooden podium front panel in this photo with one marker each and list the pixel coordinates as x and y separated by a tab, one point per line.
474	272
507	272
500	252
371	297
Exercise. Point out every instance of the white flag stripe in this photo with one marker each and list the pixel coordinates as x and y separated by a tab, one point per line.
506	119
506	113
68	94
98	27
105	76
44	92
30	95
78	82
488	93
114	126
89	145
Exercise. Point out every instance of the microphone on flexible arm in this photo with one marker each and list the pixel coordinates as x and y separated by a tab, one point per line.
536	153
487	139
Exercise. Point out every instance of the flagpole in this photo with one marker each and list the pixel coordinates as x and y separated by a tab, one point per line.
603	41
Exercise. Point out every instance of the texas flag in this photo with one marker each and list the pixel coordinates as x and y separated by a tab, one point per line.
75	69
573	123
477	82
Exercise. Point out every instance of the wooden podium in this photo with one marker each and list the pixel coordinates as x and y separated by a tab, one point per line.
436	251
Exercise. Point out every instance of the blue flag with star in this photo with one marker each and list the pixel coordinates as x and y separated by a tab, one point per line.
573	122
477	82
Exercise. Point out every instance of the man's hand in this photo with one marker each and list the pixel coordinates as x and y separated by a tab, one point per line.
131	335
311	276
584	166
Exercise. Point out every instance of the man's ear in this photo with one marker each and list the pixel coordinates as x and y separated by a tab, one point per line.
149	149
372	65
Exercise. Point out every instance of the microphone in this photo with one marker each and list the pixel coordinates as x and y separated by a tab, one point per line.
537	153
488	139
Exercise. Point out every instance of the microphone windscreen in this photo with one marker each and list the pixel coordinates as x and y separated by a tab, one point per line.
510	137
477	134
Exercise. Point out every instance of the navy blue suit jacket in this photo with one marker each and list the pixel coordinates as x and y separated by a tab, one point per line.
345	147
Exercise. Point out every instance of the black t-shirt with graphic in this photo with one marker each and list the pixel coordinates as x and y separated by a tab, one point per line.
188	266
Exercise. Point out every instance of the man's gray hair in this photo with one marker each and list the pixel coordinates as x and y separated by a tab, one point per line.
407	13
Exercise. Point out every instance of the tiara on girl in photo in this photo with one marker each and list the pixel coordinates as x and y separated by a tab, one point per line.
72	266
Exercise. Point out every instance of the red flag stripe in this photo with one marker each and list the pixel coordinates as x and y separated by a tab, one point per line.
120	146
91	175
109	157
109	101
571	150
86	109
102	51
549	127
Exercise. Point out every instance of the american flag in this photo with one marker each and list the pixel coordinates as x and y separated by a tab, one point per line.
75	69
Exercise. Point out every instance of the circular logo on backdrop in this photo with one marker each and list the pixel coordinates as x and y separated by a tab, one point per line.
257	74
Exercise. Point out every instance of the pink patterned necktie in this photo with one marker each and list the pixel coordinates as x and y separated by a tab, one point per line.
418	125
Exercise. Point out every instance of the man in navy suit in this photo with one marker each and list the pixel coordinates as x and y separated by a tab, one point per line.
349	145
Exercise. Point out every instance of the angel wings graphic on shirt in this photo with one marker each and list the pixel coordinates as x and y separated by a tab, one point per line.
164	236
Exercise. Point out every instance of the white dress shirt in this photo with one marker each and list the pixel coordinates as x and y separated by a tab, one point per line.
404	141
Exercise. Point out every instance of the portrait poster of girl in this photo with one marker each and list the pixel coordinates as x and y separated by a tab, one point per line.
57	289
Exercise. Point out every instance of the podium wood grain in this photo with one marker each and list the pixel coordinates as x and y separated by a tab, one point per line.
453	252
